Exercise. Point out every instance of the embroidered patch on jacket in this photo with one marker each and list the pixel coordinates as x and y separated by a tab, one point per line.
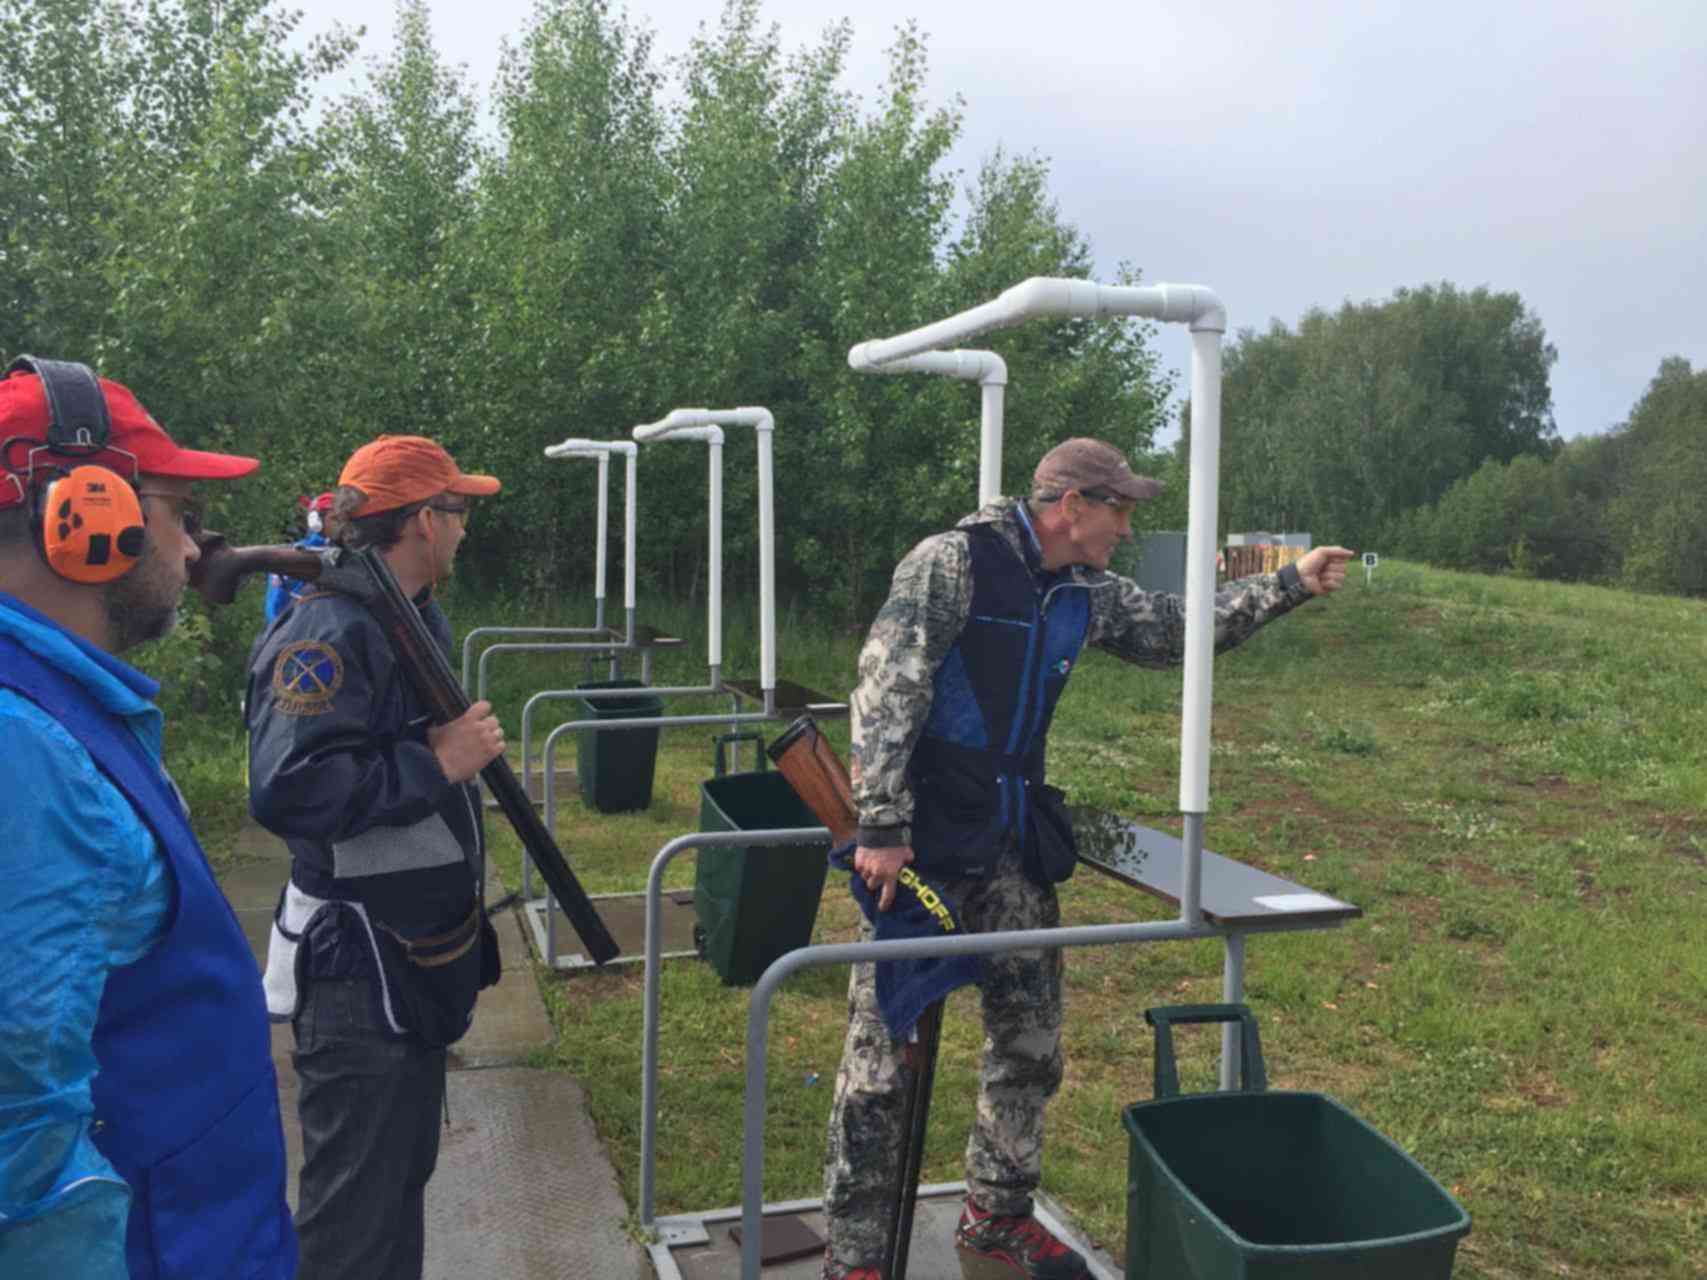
306	677
1063	666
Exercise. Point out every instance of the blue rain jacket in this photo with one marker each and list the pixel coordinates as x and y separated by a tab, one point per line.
139	1125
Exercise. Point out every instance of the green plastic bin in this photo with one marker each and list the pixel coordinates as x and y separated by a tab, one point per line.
753	903
1254	1185
615	767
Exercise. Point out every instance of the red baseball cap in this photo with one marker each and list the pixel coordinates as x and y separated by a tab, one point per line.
395	471
24	415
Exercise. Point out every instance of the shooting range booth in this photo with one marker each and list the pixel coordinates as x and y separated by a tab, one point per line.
600	641
777	700
1215	897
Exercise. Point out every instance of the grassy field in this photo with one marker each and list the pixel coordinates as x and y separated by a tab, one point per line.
1509	777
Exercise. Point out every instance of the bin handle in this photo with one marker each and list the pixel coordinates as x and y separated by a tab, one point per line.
1254	1074
729	739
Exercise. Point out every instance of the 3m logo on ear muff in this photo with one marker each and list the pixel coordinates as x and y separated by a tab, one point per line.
91	525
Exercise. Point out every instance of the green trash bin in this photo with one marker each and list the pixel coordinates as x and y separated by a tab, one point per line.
1256	1185
753	903
615	767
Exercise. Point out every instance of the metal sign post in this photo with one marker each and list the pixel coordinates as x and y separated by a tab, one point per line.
1370	560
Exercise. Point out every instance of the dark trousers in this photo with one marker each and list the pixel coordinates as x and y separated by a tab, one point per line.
371	1108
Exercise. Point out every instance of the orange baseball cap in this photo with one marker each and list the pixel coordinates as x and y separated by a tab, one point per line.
395	471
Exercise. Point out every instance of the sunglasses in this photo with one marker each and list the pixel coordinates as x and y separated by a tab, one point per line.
187	510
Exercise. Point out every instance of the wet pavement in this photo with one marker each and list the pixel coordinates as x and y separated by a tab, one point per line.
524	1190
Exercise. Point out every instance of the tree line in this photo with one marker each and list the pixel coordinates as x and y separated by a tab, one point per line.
1422	426
285	272
624	235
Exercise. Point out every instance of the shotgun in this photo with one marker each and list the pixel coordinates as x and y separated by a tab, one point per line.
365	576
818	776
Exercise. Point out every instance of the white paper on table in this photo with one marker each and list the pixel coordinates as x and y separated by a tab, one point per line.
1299	902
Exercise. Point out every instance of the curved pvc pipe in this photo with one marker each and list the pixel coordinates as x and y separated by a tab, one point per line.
579	447
680	424
665	429
602	534
969	366
1191	304
987	369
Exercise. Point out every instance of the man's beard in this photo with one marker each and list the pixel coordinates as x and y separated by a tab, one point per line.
141	605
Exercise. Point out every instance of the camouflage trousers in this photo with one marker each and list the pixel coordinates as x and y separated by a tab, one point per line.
1021	1070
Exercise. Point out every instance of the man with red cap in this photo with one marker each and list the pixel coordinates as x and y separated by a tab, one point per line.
380	943
140	1132
282	590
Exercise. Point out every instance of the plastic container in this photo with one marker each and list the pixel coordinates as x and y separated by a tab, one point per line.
615	767
753	903
1253	1185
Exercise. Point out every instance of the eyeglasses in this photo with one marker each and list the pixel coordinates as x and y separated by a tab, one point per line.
463	509
1108	499
187	510
1091	495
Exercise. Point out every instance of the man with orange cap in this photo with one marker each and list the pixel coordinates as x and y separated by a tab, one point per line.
139	1114
380	942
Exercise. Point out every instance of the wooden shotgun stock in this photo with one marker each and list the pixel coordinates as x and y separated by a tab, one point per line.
820	779
365	575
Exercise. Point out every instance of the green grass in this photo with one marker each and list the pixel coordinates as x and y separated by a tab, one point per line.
1508	776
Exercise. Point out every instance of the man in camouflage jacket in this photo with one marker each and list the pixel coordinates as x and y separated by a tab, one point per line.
958	682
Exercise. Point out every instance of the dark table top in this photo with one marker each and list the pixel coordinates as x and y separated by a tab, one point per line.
792	699
1234	895
646	637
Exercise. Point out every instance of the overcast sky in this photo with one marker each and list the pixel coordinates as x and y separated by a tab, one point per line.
1293	155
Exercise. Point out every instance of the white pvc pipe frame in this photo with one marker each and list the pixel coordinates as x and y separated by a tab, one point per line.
576	447
703	424
1197	307
988	370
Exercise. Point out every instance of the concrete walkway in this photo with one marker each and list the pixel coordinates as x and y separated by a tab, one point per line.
523	1190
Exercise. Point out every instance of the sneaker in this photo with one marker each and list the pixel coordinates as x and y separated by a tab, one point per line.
998	1248
841	1271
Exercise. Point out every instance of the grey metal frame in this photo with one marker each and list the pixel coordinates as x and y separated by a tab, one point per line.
468	640
1191	924
548	808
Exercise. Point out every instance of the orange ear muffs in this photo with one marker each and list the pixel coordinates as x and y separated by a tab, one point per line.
91	525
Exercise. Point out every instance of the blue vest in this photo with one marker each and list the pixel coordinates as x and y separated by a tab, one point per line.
977	772
186	1101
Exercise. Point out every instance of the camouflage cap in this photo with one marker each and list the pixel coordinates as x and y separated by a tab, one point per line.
1092	467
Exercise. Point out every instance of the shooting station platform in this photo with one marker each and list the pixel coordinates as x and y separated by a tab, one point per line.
1235	901
624	915
707	1246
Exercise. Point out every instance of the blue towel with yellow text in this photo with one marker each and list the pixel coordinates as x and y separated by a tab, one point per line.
923	908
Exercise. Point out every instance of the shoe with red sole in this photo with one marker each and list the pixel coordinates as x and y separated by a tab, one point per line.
1006	1248
841	1271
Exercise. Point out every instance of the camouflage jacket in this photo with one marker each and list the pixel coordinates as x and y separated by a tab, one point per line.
929	599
